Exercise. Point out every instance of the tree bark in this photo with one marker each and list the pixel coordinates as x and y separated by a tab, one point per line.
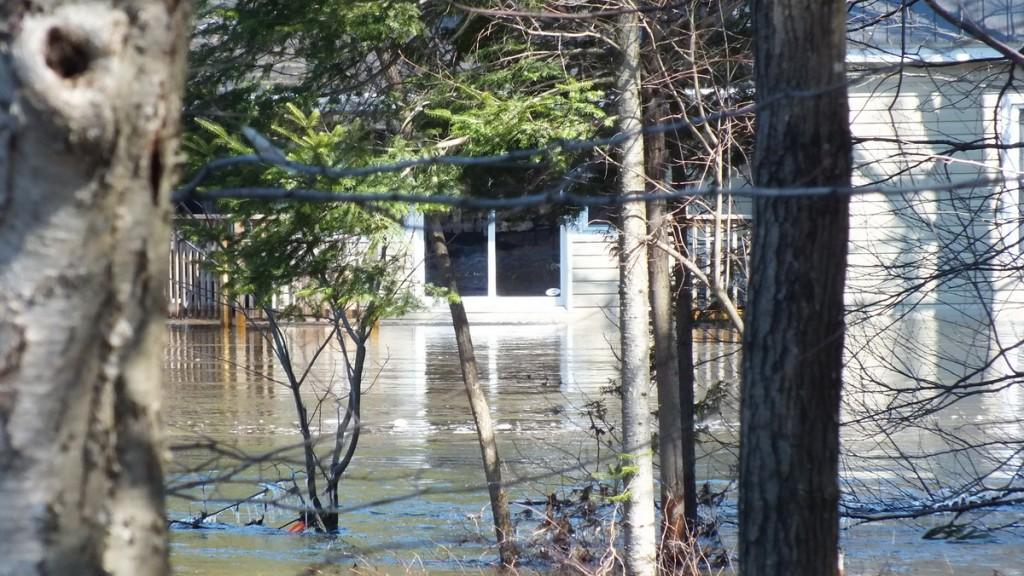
666	366
793	345
667	376
321	518
477	401
89	104
684	348
687	399
635	374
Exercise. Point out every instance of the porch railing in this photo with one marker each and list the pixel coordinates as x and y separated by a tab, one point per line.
734	251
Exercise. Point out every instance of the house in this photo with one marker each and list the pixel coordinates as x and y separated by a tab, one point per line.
936	118
937	114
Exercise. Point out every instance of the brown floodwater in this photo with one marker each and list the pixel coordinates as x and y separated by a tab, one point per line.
413	499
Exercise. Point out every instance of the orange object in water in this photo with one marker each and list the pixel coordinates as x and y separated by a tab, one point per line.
299	526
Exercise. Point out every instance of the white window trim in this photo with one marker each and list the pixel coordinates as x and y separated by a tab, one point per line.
1008	295
415	223
1010	109
584	226
1009	131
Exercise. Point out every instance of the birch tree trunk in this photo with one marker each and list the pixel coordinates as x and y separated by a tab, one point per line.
477	401
793	345
89	104
635	375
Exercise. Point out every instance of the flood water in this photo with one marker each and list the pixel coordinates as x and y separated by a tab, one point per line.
414	498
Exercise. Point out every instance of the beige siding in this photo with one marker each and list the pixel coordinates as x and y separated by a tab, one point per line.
595	271
930	247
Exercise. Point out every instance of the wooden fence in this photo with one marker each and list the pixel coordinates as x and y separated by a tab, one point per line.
196	293
193	292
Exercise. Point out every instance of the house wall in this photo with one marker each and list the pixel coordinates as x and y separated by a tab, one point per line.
955	248
594	270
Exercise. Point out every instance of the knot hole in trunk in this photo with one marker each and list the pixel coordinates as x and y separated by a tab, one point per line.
67	54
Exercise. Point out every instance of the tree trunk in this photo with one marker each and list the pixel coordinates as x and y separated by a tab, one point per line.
684	338
353	411
635	374
89	103
477	401
793	345
687	422
315	508
666	367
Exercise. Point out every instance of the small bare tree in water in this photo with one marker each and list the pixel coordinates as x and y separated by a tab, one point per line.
343	264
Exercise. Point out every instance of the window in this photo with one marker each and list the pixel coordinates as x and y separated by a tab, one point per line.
601	217
528	260
1010	204
467	248
1017	168
491	258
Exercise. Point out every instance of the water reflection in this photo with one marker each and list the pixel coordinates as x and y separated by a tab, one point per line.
418	462
416	484
933	410
218	380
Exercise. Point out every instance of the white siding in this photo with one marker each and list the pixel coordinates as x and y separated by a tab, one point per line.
929	247
595	271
